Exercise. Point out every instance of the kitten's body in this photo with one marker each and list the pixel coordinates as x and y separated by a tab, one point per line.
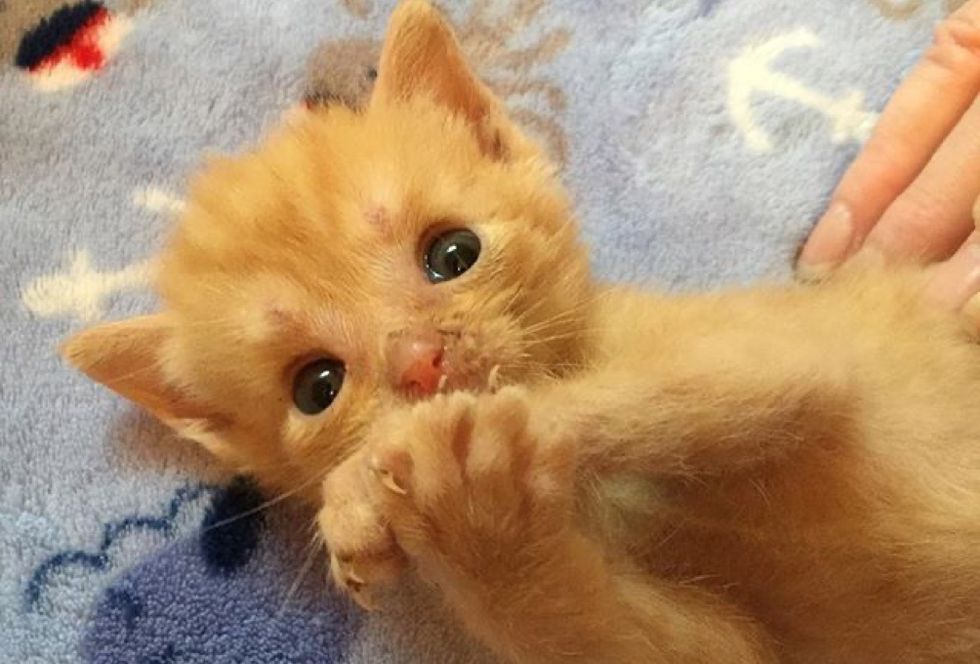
774	474
848	524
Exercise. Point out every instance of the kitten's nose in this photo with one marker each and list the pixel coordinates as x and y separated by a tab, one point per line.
415	362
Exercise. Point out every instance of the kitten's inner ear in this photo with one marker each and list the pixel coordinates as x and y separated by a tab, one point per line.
126	356
421	57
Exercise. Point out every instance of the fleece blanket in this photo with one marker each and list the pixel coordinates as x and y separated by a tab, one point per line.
700	138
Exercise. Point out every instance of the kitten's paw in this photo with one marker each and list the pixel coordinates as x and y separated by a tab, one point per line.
363	552
470	488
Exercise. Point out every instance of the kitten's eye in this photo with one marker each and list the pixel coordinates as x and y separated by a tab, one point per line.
317	385
451	254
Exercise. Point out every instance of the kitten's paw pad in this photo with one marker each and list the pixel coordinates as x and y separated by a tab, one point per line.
363	552
469	478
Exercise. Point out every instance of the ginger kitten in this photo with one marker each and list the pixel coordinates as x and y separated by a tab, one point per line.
391	311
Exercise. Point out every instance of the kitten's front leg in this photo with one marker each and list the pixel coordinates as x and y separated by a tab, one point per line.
481	501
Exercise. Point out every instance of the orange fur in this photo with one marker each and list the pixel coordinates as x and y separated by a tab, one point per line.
783	473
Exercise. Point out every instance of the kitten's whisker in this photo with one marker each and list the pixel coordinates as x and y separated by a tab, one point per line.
311	550
528	364
567	315
535	342
512	300
557	329
267	504
561	327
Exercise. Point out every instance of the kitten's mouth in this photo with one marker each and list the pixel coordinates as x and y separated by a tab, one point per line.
488	380
424	362
466	365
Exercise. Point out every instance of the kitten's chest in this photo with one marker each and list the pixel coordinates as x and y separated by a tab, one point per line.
748	535
624	511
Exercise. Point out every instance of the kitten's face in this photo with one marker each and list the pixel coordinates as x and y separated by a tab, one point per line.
354	261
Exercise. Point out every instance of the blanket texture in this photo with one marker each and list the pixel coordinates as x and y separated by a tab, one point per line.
700	138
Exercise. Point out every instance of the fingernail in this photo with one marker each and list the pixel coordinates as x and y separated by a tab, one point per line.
972	309
957	281
828	245
970	255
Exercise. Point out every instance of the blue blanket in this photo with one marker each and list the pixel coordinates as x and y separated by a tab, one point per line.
700	138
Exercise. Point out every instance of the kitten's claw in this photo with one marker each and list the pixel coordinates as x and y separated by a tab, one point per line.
388	480
362	597
493	379
352	582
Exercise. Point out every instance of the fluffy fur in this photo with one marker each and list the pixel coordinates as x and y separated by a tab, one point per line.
785	473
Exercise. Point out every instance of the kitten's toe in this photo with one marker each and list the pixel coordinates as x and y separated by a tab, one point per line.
364	554
516	461
419	460
351	583
361	575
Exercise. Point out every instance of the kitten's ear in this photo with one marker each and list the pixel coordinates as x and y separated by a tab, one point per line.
127	357
421	57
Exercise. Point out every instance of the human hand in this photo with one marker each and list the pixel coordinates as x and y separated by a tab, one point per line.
910	193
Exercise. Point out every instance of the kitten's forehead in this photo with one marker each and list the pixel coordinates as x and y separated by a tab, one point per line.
389	206
334	209
378	219
341	313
